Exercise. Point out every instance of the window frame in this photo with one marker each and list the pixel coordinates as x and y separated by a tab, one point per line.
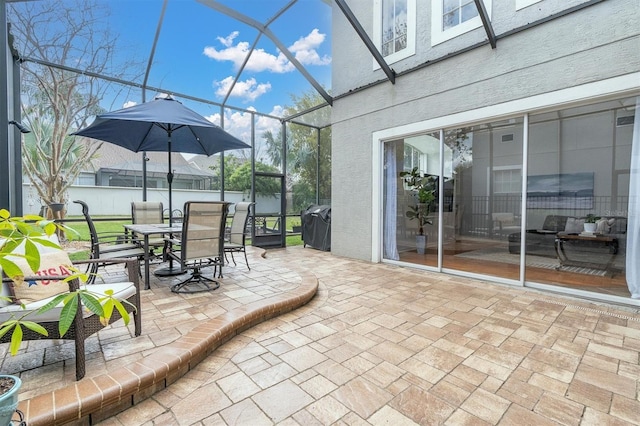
499	171
422	159
408	51
521	4
438	35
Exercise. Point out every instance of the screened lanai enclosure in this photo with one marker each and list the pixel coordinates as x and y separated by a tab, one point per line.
241	67
517	156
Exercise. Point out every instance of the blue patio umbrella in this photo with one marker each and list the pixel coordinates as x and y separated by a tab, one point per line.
163	124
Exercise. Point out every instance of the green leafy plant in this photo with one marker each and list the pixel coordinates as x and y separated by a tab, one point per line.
591	218
425	188
33	231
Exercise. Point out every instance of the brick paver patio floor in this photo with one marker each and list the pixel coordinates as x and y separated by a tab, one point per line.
379	345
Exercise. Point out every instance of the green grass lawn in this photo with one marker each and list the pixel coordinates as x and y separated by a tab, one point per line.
82	229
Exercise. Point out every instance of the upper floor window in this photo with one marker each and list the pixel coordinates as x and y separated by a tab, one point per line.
451	18
457	11
413	157
507	180
86	178
394	28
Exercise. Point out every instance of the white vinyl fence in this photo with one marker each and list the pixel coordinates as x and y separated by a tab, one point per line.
116	201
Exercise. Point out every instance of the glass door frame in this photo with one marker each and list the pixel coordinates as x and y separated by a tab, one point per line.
273	240
589	93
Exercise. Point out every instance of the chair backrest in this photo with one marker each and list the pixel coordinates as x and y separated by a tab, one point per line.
203	224
95	247
239	222
146	212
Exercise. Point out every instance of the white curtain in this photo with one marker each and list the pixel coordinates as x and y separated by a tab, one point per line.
633	221
391	202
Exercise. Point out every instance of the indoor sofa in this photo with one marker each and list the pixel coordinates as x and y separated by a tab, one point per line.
541	242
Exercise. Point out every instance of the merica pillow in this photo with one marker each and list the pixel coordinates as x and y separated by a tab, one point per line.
6	289
51	264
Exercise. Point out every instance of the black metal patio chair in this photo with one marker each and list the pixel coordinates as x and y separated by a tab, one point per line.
106	246
236	239
148	212
201	244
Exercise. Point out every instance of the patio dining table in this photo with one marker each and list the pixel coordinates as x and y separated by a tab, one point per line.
146	230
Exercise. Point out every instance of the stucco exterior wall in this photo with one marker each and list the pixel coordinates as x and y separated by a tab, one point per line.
595	43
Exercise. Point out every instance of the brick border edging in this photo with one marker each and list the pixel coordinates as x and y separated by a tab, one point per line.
94	399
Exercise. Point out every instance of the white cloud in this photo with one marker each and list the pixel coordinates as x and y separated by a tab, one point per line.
129	104
277	111
304	49
259	60
228	40
238	123
214	118
249	90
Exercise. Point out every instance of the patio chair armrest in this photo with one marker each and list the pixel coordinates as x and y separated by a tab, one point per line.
175	241
117	238
229	236
74	283
169	248
132	264
237	233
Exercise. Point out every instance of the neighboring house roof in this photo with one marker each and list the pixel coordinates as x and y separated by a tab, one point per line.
114	158
155	169
203	162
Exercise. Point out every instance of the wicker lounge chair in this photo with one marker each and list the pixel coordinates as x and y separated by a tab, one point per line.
85	323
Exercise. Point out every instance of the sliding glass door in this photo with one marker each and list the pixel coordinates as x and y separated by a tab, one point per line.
484	174
579	227
411	183
580	170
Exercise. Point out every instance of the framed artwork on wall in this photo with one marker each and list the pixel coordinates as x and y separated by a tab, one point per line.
560	191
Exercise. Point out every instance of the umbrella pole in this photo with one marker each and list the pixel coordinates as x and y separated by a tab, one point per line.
171	269
170	180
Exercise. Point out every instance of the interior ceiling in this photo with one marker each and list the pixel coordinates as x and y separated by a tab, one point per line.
166	46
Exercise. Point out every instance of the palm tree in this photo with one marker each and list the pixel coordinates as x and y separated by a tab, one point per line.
52	167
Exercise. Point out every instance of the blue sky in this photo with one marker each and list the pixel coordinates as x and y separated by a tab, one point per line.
200	50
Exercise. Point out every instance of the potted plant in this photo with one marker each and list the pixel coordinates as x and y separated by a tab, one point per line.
590	224
424	189
9	387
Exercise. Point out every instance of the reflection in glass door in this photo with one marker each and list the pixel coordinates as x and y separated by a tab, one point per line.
484	163
581	170
479	210
576	226
410	217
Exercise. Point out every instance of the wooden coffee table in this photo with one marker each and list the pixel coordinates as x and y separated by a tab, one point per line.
595	251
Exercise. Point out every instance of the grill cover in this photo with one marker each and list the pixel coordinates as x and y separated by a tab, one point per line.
316	226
